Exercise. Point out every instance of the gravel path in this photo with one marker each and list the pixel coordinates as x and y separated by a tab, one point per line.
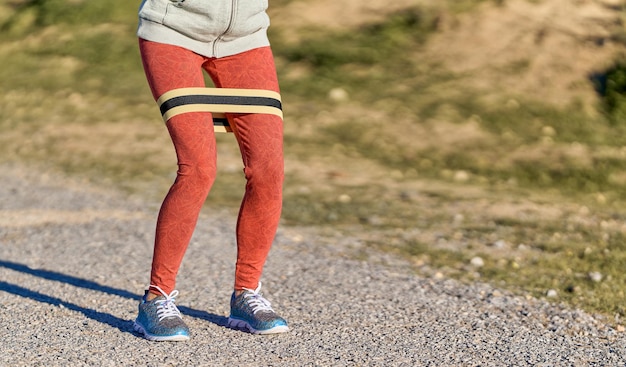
74	259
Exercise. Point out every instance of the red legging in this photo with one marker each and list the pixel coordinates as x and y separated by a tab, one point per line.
260	139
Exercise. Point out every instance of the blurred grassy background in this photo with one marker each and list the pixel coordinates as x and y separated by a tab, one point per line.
384	142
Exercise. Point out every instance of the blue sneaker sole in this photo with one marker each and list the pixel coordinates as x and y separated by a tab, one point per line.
242	325
172	338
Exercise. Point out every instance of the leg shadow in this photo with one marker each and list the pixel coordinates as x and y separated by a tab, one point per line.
111	320
105	318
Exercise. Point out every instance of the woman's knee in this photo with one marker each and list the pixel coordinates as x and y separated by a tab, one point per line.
201	173
266	178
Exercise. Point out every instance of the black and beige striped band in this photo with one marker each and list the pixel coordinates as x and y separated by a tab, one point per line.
219	101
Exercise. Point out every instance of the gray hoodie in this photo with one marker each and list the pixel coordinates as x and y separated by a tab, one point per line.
213	28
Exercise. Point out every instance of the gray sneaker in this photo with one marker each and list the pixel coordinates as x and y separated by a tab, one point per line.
253	313
160	320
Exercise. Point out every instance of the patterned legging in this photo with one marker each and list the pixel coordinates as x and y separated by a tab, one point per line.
260	139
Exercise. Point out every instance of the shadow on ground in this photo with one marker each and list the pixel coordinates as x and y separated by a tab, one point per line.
105	318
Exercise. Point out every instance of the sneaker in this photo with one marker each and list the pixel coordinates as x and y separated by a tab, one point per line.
160	320
253	313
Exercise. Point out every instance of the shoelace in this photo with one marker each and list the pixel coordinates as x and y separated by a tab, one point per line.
256	301
166	307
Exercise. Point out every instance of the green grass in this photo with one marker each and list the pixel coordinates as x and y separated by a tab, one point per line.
452	177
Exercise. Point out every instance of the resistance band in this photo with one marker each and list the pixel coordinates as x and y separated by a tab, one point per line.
219	101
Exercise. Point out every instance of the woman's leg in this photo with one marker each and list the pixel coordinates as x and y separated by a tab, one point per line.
169	67
260	139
